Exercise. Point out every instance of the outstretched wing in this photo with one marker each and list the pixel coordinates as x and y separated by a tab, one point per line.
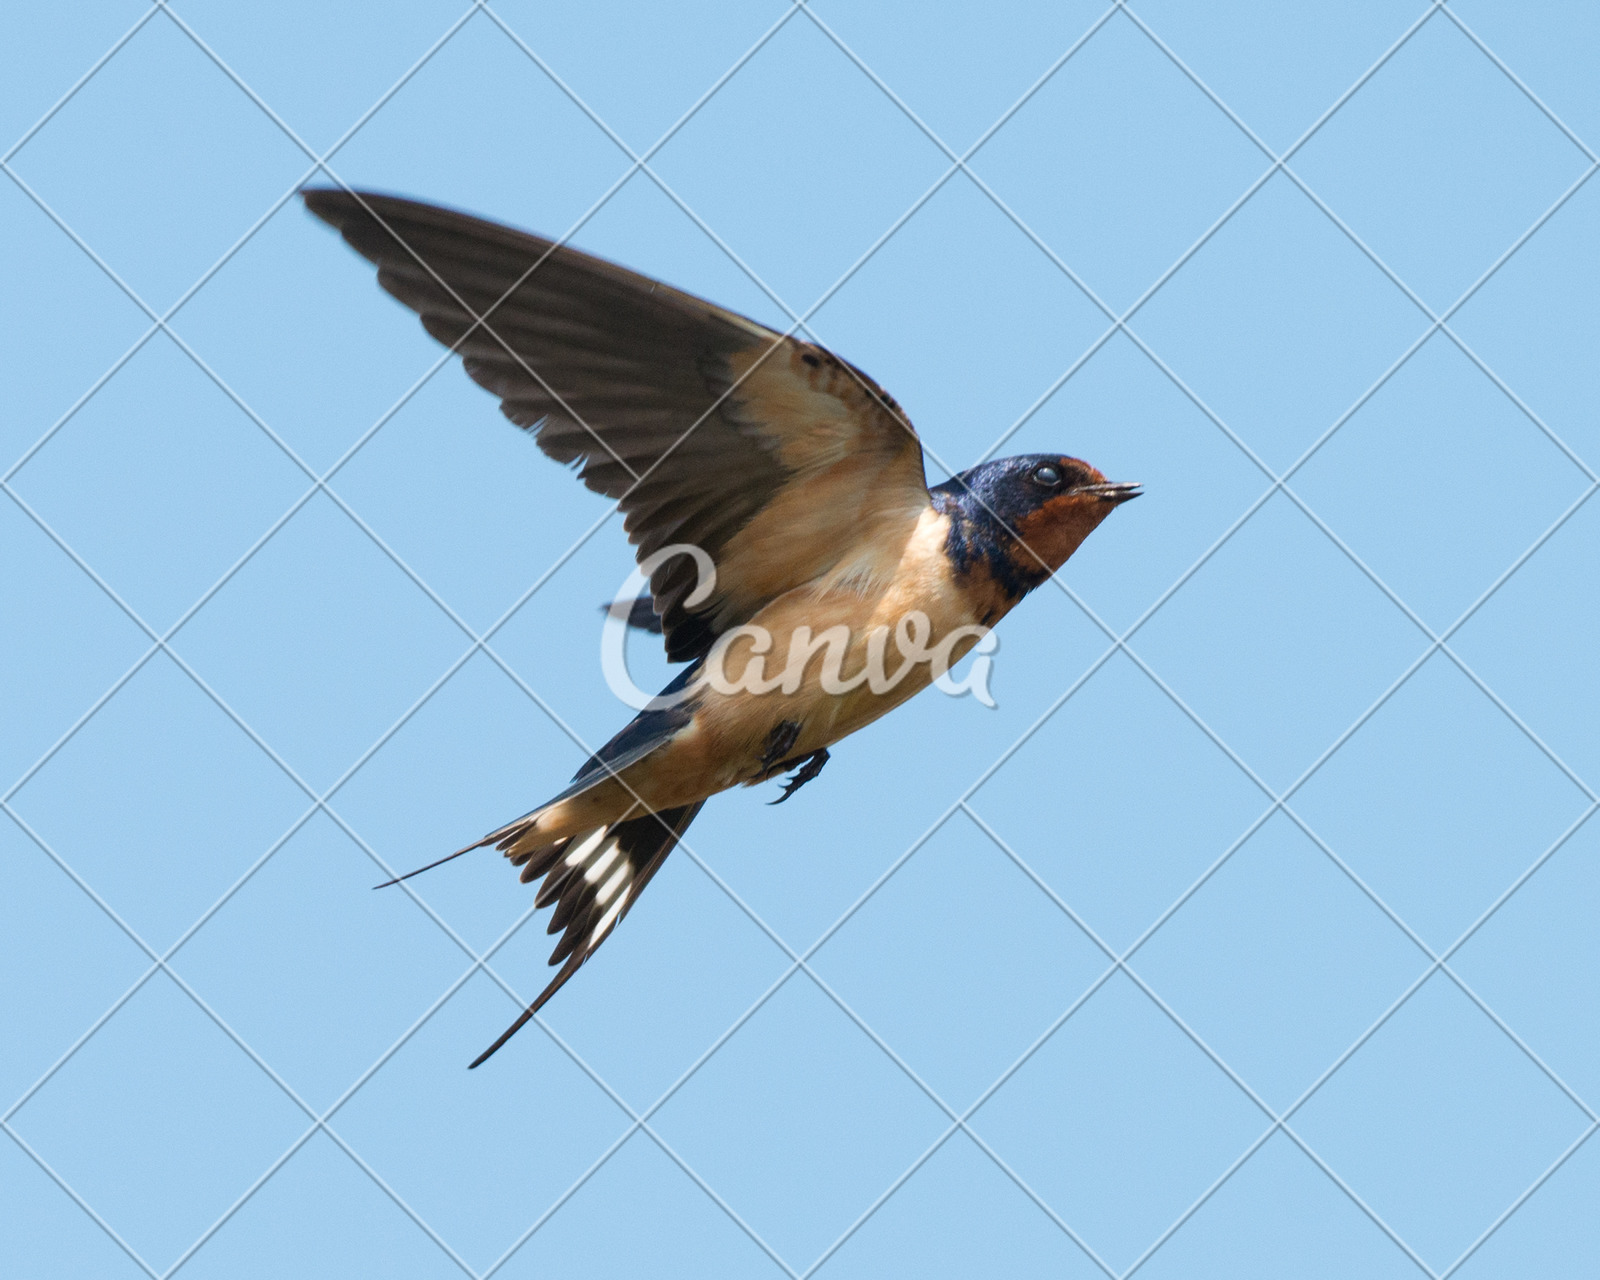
773	455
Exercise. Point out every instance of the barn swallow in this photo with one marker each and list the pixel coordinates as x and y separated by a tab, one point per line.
795	473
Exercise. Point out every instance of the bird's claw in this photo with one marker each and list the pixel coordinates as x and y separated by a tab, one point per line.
808	770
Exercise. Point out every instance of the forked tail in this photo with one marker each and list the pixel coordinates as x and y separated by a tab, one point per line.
593	879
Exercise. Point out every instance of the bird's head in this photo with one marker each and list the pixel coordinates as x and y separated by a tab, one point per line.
1026	515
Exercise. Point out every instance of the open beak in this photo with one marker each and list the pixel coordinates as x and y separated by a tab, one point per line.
1112	493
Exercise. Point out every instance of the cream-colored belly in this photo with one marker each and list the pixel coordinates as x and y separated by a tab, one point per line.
730	739
866	607
837	663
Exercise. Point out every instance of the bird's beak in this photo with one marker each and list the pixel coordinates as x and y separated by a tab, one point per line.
1112	493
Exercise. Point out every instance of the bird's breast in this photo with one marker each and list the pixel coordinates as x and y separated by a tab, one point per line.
839	652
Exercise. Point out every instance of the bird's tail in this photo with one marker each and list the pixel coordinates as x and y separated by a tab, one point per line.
593	879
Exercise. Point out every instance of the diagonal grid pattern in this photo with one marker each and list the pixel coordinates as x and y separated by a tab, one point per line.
1437	642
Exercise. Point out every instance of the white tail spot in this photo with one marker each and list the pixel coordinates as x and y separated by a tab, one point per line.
577	856
610	917
612	885
597	869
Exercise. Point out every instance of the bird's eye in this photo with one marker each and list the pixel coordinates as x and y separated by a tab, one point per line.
1047	475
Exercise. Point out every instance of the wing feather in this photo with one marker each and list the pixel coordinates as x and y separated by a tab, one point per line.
706	426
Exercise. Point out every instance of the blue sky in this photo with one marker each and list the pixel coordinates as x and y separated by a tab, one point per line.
1250	934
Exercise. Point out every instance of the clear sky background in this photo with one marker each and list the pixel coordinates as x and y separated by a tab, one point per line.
1253	934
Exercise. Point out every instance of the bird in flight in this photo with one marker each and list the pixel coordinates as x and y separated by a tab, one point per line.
786	471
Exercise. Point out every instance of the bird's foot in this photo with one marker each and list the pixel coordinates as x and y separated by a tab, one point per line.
808	770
